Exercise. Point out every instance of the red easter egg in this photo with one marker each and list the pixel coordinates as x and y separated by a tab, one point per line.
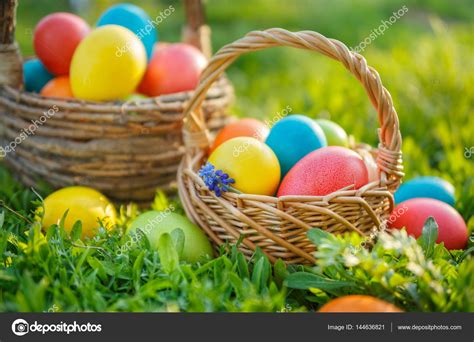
56	38
172	69
247	127
413	213
324	171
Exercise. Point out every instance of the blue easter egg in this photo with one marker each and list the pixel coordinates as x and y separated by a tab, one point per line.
35	75
426	187
292	138
136	20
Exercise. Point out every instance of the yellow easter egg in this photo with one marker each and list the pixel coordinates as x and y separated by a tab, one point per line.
108	64
251	163
82	204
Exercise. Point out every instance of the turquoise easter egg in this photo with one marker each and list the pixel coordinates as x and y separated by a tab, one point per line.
35	75
136	20
292	138
427	187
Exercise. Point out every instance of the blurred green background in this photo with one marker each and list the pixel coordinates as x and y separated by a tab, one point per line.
425	59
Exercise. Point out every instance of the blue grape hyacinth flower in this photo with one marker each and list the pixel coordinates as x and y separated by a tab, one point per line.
216	180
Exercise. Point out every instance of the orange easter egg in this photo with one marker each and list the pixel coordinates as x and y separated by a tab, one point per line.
358	303
58	87
247	127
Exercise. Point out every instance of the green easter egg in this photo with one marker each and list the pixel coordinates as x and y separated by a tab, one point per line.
335	134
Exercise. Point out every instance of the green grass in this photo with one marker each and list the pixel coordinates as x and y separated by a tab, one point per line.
414	275
425	61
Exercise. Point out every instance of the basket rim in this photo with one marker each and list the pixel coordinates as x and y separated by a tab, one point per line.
20	94
373	188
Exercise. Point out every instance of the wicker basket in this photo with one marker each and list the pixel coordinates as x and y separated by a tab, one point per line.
279	225
124	149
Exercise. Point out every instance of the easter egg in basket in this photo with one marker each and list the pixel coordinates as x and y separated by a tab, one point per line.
35	75
292	138
56	38
324	171
135	97
335	134
251	163
58	87
247	127
371	164
135	19
173	68
108	64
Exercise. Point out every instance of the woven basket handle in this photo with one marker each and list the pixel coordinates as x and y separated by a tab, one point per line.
196	134
195	32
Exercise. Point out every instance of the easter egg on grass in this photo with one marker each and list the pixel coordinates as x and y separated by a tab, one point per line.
58	87
292	138
55	39
324	171
155	223
413	213
35	75
173	69
358	303
102	70
247	127
428	187
335	134
84	204
135	19
251	163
